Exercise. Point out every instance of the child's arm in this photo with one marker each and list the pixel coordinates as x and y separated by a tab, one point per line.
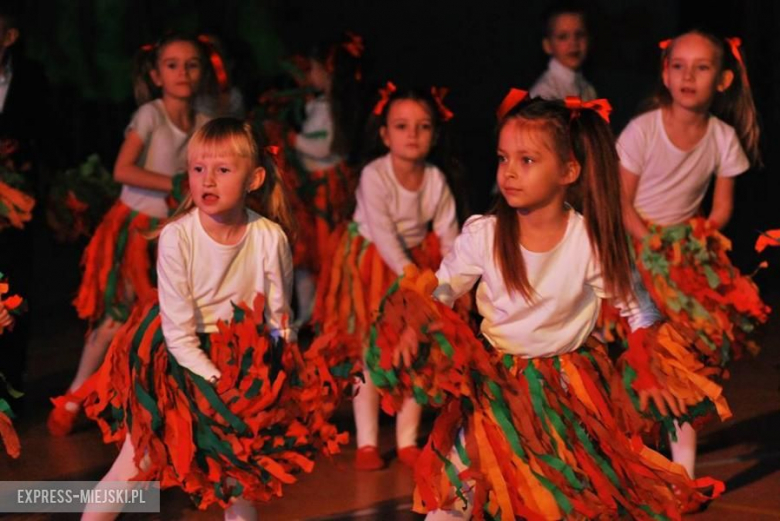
633	221
127	172
278	283
463	265
722	202
177	310
373	195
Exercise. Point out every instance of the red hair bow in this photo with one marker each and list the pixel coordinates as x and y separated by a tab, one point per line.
354	44
735	43
216	61
273	150
438	94
664	44
148	47
384	97
600	106
510	101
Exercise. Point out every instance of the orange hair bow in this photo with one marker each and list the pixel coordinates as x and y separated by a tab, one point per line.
384	96
600	106
354	44
510	101
438	94
216	61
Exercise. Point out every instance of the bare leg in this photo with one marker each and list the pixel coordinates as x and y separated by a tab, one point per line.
684	449
123	469
92	355
365	407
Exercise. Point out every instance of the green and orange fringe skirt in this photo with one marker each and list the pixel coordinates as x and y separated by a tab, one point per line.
543	438
263	422
119	267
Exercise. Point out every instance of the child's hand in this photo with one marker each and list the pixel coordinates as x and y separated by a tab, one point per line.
6	320
664	401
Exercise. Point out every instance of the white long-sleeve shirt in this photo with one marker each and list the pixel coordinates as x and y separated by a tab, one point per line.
200	279
568	287
395	219
558	81
314	142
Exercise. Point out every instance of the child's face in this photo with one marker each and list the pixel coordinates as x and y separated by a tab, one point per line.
530	173
319	77
219	183
178	70
692	72
409	131
567	40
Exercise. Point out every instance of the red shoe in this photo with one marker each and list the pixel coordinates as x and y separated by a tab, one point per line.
368	458
691	505
409	456
61	420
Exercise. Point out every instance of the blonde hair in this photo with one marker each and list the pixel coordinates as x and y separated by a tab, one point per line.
233	136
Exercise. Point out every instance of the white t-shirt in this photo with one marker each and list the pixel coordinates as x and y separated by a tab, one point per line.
567	282
316	137
558	81
395	219
200	279
672	182
164	152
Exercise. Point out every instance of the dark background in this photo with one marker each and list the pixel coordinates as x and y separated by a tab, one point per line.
478	49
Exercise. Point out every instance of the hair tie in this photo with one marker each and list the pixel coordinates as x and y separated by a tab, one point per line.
438	94
216	61
510	101
384	96
599	106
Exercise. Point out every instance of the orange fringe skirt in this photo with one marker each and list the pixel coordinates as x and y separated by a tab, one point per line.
326	198
264	421
118	266
688	274
353	281
544	438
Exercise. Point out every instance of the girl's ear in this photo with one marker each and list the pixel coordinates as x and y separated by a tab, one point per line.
256	179
571	173
155	75
547	46
725	80
383	135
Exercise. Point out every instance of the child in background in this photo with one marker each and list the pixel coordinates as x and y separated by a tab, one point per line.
566	42
118	262
702	124
401	196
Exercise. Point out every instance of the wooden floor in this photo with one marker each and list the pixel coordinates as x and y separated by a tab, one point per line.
744	452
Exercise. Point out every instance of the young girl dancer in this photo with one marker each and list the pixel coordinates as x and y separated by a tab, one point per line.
703	124
118	262
226	411
400	197
528	426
